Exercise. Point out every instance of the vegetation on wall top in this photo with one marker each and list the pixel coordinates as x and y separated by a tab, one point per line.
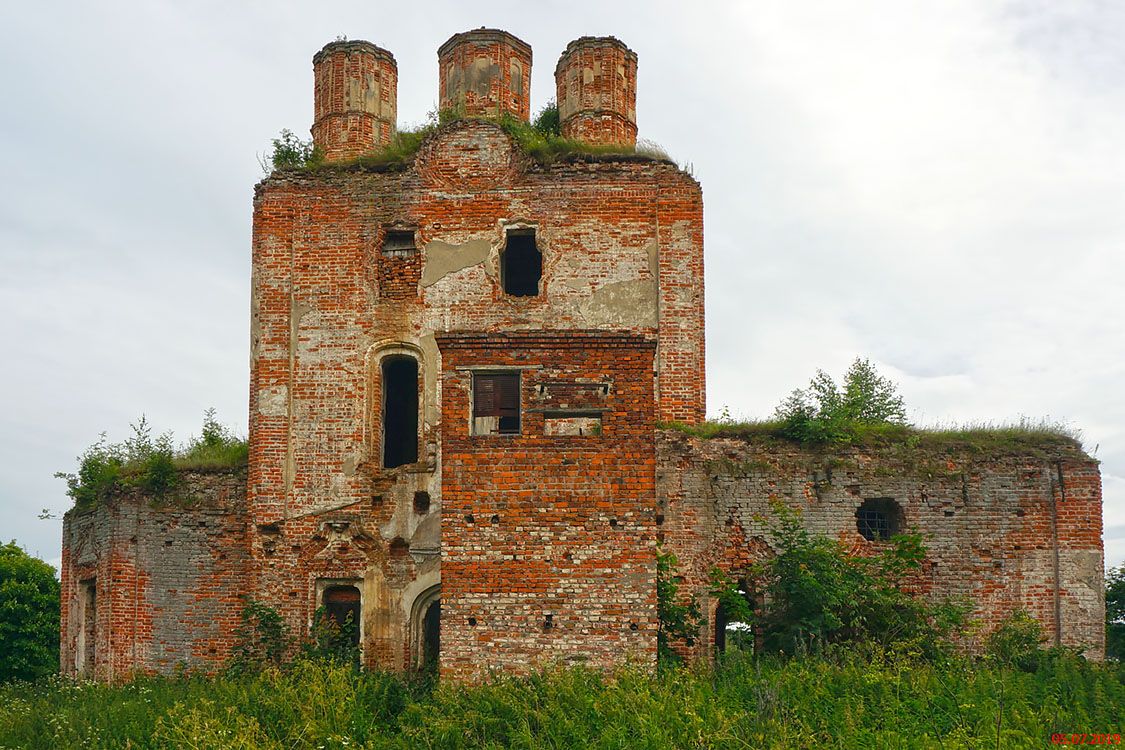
541	140
151	463
867	411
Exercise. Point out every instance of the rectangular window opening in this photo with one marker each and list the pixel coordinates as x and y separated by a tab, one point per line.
496	403
521	264
398	243
400	411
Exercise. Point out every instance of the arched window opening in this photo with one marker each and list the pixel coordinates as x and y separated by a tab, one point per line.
342	609
878	519
521	264
431	635
400	411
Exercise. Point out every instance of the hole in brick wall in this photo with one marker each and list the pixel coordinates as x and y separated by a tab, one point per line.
212	651
495	518
948	514
376	501
632	626
400	411
613	523
659	519
568	556
878	519
421	502
469	518
168	543
689	641
472	621
292	594
549	622
1020	513
269	528
521	264
398	243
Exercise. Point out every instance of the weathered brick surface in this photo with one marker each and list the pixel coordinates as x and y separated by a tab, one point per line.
596	91
169	576
993	523
548	552
561	519
355	98
485	72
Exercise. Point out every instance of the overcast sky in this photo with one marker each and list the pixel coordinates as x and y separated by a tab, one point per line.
939	186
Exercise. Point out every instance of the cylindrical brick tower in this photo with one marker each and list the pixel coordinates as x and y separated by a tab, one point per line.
596	78
485	73
354	99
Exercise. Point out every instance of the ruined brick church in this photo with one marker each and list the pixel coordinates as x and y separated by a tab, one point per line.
460	366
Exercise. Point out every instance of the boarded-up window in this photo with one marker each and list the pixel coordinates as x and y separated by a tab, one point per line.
341	606
398	243
496	403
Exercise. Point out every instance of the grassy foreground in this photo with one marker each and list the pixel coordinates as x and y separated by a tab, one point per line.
748	703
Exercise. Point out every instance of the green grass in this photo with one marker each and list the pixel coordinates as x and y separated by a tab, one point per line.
848	702
539	144
1029	437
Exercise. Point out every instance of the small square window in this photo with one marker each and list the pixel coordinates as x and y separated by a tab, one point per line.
496	403
398	243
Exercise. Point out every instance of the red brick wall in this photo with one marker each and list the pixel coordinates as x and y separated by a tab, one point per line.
485	72
596	85
170	576
987	518
355	98
535	524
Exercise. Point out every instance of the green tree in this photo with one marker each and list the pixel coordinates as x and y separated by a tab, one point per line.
1115	613
677	616
827	413
29	616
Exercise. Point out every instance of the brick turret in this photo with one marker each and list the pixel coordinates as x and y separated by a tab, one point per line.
596	78
485	72
355	98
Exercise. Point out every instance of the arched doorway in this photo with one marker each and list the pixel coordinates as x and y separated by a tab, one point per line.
425	625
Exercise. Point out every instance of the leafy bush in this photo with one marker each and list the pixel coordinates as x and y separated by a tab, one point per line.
261	639
1017	641
29	616
819	593
825	413
290	152
150	463
329	641
677	616
1115	613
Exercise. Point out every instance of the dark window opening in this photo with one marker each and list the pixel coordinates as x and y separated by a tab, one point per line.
422	502
341	608
496	404
398	243
400	411
877	520
88	630
521	264
431	635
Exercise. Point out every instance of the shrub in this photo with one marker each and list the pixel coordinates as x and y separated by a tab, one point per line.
329	641
820	593
1016	641
261	639
29	616
677	616
826	413
149	463
1115	613
290	152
